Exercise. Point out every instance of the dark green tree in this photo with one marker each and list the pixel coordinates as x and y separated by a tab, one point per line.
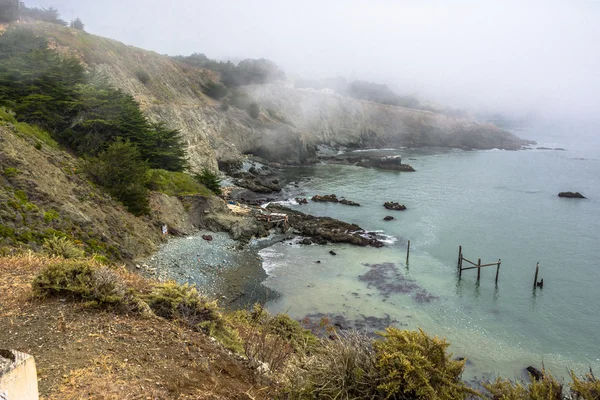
35	82
210	180
9	10
164	148
254	110
78	24
122	171
50	15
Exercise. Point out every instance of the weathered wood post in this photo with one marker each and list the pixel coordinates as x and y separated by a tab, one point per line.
498	270
407	252
537	269
459	256
478	269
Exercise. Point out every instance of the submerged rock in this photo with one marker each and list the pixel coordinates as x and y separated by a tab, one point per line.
388	218
571	195
388	279
320	323
392	205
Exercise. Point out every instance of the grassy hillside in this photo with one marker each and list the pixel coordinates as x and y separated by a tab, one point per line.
43	193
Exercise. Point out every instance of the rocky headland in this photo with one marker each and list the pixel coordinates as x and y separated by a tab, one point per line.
291	123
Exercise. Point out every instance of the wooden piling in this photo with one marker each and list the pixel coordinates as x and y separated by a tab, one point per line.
478	269
407	252
498	270
458	263
537	269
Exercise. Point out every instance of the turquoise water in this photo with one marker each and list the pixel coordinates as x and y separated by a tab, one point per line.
496	204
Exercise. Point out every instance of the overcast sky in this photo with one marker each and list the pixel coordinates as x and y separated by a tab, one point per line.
510	56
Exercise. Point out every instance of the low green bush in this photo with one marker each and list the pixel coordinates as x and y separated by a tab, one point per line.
10	172
62	247
175	183
216	90
88	281
413	365
81	281
50	216
143	76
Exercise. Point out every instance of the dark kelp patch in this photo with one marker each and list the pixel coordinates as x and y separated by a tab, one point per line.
388	279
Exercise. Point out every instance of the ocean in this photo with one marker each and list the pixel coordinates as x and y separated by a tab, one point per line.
496	205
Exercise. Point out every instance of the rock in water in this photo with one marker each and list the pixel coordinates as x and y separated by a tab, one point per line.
333	253
332	198
392	205
208	238
535	373
392	162
349	203
301	200
571	195
389	218
328	198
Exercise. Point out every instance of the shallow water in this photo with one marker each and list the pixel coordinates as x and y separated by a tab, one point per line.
496	204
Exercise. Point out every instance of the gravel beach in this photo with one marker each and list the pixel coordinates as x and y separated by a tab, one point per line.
221	268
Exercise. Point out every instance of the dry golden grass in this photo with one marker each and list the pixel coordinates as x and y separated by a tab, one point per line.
92	353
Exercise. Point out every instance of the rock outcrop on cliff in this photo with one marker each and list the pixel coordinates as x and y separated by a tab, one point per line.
290	124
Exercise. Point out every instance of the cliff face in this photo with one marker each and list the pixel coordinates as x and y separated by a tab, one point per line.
323	118
291	123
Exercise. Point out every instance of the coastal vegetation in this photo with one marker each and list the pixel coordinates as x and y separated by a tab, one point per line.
210	180
53	93
246	72
70	303
279	353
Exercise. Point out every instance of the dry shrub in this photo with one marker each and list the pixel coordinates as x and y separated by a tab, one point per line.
343	368
587	388
547	388
88	281
264	341
260	346
183	303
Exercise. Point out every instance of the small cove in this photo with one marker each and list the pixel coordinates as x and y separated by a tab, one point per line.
496	204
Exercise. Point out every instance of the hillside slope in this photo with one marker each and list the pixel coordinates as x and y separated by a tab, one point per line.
291	122
44	194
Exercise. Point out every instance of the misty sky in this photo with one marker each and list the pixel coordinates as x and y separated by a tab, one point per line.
507	56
